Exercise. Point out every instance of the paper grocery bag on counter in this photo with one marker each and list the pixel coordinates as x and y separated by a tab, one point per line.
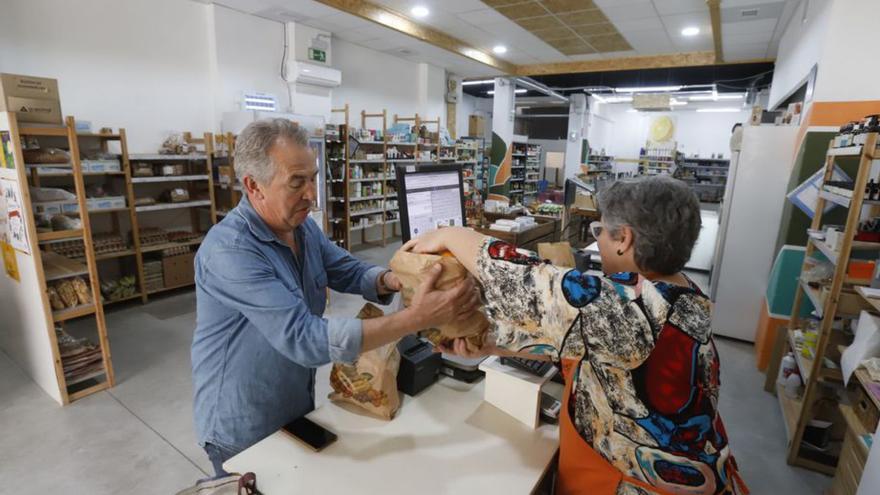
371	382
559	253
410	268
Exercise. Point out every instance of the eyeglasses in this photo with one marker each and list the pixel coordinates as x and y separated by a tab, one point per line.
596	229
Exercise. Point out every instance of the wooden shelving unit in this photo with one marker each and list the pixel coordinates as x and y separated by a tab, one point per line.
227	188
336	217
532	173
657	161
50	268
706	176
819	379
198	181
373	172
518	166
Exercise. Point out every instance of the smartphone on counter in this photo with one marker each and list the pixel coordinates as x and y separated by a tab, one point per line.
313	435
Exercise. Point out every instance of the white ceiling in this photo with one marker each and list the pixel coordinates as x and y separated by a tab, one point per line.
650	26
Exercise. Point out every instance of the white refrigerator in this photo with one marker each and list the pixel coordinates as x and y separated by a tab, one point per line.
749	225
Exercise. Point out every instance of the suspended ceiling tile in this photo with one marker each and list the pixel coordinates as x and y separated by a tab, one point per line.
479	17
536	23
522	11
563	6
553	33
646	24
630	12
604	4
345	21
750	27
727	38
499	3
609	43
670	7
583	17
748	3
675	23
650	42
595	29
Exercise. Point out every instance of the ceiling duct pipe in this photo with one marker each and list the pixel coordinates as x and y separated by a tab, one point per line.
530	83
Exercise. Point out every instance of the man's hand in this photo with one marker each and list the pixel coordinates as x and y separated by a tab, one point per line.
432	307
391	282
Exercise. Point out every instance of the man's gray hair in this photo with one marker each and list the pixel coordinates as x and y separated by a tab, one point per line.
664	215
253	144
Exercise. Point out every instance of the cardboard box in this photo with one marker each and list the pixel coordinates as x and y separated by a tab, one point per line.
101	166
32	99
178	270
105	203
476	126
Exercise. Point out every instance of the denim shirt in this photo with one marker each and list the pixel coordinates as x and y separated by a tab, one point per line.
259	329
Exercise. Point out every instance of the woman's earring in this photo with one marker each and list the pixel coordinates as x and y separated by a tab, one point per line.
619	252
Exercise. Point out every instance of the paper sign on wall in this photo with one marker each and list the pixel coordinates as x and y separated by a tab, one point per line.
7	157
15	217
10	263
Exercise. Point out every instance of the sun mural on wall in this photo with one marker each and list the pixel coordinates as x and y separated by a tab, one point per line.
662	129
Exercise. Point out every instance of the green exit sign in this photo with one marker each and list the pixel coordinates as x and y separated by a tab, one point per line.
317	55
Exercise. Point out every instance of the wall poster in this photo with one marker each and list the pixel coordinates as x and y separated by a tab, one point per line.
15	220
7	155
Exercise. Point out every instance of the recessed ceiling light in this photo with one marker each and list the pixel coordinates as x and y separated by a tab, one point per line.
690	31
420	11
499	49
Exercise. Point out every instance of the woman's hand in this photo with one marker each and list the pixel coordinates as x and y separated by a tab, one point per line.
434	242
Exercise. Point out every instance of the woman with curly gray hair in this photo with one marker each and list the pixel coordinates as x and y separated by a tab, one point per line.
635	346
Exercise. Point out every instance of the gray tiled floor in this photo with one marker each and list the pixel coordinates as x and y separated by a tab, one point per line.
138	437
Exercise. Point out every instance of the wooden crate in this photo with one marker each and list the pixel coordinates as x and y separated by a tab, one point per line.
178	270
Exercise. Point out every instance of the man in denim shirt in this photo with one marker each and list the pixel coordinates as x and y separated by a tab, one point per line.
261	277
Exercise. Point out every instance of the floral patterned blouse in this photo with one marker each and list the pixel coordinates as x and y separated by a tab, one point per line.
645	394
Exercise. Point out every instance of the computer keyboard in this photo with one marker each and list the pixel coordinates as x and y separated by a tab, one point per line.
533	366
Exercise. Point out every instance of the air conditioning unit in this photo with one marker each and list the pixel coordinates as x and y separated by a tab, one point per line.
316	75
651	103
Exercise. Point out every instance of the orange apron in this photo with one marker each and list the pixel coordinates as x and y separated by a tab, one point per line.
584	471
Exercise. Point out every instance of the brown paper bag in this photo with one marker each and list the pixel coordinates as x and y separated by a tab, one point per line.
371	382
410	268
559	253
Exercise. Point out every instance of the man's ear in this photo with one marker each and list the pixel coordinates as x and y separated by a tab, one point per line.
252	187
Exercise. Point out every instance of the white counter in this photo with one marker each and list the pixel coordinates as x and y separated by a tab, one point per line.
445	441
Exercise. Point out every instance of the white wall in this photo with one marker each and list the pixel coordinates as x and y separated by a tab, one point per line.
139	65
373	80
248	51
801	47
701	133
847	71
471	105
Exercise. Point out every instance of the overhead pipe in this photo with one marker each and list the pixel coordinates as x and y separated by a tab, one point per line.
530	83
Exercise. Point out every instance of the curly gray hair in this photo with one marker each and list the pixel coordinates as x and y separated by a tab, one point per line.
663	213
253	144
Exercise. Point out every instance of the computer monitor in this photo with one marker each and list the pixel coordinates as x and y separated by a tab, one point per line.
430	197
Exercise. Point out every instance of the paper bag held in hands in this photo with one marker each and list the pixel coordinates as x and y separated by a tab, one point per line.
371	382
410	268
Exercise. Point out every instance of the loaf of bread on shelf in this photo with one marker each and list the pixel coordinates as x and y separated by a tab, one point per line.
83	292
67	293
54	299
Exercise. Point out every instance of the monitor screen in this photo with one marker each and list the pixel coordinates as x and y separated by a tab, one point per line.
431	196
